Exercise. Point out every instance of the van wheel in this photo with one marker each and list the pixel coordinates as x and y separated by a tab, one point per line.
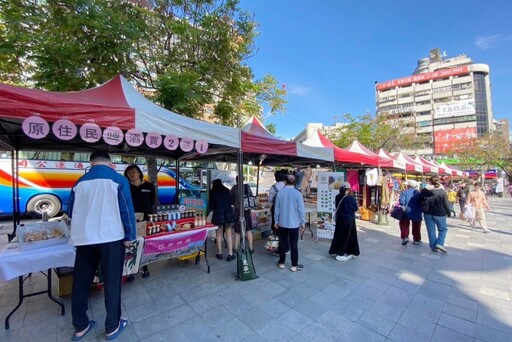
41	203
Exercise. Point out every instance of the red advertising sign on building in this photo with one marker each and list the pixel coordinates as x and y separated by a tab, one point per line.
427	76
447	139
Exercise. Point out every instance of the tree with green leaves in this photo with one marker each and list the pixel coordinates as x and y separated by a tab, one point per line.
386	132
183	54
487	152
186	55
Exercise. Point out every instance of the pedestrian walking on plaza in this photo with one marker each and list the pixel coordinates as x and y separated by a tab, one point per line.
479	202
435	207
290	217
410	200
102	225
462	195
222	216
452	198
344	242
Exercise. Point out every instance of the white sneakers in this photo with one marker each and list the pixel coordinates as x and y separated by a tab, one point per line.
344	257
441	248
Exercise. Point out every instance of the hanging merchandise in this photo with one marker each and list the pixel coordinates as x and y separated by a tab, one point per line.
372	177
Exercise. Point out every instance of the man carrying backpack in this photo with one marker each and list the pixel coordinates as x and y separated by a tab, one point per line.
435	208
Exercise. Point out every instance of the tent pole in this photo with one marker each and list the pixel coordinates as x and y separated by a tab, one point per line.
15	194
258	178
241	197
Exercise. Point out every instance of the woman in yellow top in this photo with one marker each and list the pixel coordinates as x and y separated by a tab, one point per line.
478	200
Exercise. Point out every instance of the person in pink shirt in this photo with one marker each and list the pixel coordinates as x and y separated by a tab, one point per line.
479	202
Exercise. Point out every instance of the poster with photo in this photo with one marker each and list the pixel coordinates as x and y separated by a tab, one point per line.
329	184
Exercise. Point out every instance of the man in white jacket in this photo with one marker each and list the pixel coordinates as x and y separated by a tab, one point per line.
102	225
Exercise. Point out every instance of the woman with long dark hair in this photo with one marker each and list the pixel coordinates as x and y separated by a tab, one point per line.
223	217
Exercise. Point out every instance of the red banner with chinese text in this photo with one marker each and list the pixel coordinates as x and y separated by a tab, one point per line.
446	140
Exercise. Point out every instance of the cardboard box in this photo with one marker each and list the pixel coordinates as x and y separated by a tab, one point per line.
65	284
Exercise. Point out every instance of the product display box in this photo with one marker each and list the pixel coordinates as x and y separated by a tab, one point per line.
43	234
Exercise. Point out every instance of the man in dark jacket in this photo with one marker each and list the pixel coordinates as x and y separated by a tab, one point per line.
435	207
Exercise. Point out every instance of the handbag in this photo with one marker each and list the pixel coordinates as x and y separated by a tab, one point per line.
244	265
272	244
469	212
250	202
397	213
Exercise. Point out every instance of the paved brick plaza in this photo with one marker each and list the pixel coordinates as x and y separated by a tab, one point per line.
390	293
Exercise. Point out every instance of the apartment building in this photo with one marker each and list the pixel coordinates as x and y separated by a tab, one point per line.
444	101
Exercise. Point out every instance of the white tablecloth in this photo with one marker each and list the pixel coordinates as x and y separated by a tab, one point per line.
14	263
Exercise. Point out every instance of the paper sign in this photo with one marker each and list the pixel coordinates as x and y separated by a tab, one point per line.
113	135
201	146
90	132
134	137
153	139
64	129
35	127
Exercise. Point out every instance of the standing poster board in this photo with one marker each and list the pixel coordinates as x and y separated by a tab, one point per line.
329	184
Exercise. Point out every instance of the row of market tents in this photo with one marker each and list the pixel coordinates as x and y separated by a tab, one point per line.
117	104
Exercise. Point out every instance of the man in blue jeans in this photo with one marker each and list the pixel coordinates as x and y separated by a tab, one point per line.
102	225
435	213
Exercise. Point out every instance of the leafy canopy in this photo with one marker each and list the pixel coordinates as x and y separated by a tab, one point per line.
187	55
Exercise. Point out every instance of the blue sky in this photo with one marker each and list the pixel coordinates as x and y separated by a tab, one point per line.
329	53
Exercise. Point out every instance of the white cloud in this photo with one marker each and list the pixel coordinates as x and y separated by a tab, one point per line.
297	89
487	42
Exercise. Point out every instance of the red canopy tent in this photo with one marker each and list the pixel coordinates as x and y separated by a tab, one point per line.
256	139
453	171
357	147
433	167
112	104
340	155
397	164
411	165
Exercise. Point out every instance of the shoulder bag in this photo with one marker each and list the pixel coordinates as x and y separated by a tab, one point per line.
335	211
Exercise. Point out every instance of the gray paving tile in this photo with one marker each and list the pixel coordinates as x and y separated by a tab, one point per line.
376	323
389	293
444	334
484	333
294	320
460	312
457	324
216	316
318	332
402	333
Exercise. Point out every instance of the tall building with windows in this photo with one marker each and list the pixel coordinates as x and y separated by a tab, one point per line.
444	101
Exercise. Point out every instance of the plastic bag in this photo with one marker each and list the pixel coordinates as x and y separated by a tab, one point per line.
469	212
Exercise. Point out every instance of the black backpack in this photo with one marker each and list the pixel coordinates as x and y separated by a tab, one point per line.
426	202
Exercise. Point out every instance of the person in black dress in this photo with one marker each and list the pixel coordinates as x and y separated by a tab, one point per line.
223	217
143	198
344	243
